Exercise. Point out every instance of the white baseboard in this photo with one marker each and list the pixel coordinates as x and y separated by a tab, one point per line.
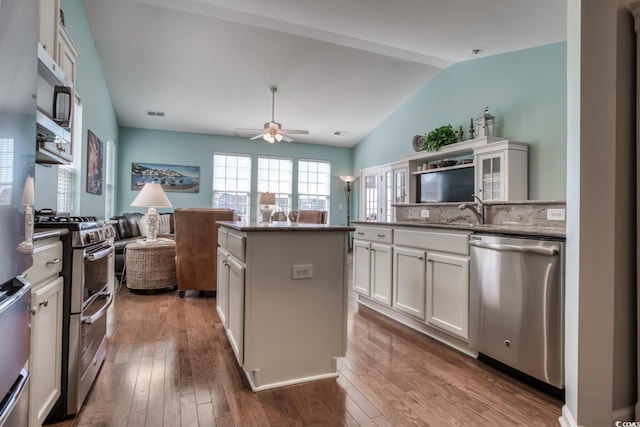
566	419
622	414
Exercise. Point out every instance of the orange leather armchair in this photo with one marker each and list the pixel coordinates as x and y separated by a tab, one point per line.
196	235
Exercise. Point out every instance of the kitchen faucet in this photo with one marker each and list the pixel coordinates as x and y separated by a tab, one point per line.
478	212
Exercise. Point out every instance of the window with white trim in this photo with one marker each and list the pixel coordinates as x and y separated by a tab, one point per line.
275	175
232	183
6	171
314	185
109	180
68	200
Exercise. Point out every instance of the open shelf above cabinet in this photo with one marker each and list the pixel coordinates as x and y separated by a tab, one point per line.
446	168
454	150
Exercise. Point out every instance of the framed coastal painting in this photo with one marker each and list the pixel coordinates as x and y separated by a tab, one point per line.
94	164
177	178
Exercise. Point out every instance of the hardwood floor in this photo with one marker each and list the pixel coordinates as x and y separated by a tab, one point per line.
169	363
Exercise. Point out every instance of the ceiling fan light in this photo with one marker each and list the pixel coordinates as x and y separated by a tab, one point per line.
278	137
269	138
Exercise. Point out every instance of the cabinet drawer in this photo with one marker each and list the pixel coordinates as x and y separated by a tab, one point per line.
374	234
235	245
222	237
440	241
47	262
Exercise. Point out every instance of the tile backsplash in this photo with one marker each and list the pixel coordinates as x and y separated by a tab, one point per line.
524	213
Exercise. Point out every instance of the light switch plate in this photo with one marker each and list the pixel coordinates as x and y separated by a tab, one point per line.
556	214
424	213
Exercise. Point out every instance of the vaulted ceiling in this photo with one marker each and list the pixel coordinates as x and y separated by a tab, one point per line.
339	65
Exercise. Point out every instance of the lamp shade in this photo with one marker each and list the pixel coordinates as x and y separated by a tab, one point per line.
152	195
267	199
28	193
348	178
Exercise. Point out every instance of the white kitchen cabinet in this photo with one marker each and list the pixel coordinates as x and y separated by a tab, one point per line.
372	265
448	293
49	19
236	313
45	360
362	267
222	291
286	316
409	281
501	171
66	54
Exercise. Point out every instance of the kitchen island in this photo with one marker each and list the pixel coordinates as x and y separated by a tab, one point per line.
282	298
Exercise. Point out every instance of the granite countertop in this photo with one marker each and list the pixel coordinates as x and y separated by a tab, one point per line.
51	232
512	229
282	226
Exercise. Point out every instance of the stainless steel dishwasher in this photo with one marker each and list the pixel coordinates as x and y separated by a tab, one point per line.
516	313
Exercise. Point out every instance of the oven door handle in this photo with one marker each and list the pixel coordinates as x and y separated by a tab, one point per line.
100	254
87	320
15	395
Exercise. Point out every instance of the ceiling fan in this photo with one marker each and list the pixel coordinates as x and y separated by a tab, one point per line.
273	131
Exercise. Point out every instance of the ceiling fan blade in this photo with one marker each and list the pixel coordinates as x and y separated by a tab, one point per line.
296	131
286	137
256	137
250	130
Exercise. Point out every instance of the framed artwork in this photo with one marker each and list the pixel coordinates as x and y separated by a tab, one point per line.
182	179
94	164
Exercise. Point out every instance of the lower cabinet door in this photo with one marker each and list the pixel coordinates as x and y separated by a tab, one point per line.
409	280
448	293
381	273
235	317
222	290
362	267
45	361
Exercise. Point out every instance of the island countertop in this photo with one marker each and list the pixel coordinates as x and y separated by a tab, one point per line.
281	226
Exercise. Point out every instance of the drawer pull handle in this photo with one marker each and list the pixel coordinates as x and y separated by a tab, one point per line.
421	258
55	261
360	233
382	235
44	303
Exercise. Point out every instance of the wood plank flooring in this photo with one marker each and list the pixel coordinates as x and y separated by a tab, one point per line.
169	363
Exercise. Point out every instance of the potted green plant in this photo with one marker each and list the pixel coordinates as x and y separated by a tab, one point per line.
439	137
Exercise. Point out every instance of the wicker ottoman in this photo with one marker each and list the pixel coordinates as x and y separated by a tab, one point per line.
151	265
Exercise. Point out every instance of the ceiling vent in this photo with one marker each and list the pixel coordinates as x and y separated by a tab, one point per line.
155	113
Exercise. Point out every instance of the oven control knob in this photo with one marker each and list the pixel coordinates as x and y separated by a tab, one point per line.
91	237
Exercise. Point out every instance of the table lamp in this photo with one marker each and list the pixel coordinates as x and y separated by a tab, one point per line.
152	196
266	199
28	196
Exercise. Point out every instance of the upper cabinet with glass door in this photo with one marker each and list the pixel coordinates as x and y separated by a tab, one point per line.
501	171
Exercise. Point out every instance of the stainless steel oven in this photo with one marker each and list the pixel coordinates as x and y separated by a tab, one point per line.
87	265
90	299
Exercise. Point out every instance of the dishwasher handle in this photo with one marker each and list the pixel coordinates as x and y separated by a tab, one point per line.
549	251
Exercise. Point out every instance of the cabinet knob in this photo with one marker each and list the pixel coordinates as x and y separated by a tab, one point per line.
44	303
421	258
34	311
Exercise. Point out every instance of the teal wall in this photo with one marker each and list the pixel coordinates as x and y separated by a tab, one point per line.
525	90
98	114
142	145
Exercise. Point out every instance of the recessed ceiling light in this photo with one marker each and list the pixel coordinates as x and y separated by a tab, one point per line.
475	51
340	132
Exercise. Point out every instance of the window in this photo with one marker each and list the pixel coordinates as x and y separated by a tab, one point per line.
68	200
109	180
275	175
314	187
232	183
6	170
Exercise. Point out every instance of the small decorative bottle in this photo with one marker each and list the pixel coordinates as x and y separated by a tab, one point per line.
471	129
460	134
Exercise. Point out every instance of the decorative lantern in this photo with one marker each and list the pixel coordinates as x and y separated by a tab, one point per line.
485	125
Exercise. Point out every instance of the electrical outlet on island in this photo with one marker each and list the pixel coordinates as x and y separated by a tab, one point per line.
555	214
424	213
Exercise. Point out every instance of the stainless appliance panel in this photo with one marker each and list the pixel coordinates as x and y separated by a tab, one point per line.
15	321
90	274
16	411
18	70
516	304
